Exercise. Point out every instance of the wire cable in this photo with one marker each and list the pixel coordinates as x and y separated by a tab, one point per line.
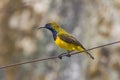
53	57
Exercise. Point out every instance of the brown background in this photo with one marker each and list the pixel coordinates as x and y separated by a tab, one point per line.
93	22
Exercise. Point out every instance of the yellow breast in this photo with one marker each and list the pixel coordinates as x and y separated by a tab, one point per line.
67	46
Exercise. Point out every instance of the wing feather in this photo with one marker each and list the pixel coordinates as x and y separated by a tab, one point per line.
69	39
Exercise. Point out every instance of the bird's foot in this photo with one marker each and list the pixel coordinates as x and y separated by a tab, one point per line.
61	55
65	54
68	55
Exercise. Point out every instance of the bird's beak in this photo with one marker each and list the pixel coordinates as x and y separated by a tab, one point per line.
38	27
41	27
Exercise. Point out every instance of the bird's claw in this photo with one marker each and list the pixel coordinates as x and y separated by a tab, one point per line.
64	54
68	55
60	57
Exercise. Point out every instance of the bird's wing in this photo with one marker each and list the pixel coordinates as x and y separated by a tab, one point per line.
69	39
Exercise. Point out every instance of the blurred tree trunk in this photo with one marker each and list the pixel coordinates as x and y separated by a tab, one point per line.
8	39
9	52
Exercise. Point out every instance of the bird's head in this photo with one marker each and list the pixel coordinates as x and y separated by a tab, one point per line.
52	27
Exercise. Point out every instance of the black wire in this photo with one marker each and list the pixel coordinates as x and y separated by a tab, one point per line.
53	57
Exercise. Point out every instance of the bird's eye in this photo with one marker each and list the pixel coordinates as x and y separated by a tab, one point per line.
48	26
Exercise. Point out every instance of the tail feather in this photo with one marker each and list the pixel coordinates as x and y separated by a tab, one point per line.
83	49
90	55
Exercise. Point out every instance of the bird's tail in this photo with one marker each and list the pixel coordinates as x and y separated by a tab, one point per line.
90	55
83	49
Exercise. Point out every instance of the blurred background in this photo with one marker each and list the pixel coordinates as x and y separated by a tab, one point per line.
92	22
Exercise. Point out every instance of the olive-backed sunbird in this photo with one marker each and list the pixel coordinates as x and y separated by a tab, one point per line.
63	39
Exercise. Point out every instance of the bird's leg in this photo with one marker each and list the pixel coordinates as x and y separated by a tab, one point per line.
61	55
66	54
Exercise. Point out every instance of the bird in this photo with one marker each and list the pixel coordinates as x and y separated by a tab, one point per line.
65	40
